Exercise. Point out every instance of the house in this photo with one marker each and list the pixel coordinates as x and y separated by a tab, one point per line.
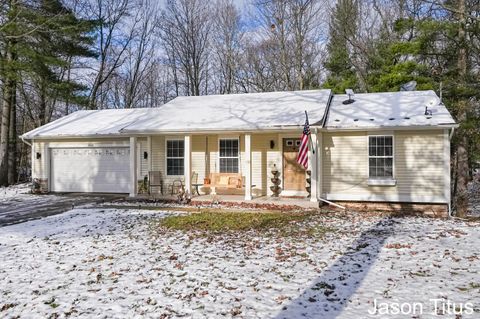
372	147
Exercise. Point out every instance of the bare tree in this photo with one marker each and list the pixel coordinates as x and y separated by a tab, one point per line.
462	167
185	31
291	33
116	29
227	39
140	54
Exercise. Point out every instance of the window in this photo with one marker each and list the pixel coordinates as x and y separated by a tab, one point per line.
175	153
380	157
229	155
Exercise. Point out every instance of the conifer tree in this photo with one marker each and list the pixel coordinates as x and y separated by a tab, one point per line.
38	40
343	22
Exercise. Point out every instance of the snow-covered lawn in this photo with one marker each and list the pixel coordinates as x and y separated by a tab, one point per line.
120	264
15	191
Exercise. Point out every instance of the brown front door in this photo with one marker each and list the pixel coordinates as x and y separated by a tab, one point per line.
293	173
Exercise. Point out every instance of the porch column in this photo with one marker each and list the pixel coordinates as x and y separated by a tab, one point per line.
149	152
32	159
133	166
187	165
248	167
319	165
314	167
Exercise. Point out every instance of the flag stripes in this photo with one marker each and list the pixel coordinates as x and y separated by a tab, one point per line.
302	157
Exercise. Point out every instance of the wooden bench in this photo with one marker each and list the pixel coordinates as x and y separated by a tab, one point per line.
225	180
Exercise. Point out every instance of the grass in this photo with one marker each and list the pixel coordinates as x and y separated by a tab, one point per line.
471	286
287	223
231	221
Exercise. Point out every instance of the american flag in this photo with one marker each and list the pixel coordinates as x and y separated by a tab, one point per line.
302	157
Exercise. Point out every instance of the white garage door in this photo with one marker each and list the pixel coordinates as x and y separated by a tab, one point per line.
96	170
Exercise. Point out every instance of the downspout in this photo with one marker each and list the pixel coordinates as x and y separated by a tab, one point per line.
450	212
320	171
451	133
23	140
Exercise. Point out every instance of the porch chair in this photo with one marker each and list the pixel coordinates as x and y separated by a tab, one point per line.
155	179
195	183
176	187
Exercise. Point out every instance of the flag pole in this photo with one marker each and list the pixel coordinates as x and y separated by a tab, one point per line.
310	134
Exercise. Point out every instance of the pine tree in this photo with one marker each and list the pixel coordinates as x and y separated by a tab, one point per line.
343	22
39	39
403	56
434	50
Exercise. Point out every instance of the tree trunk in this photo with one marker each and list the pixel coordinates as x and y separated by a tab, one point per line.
42	108
9	90
12	145
461	196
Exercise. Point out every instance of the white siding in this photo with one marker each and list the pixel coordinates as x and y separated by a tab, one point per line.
418	166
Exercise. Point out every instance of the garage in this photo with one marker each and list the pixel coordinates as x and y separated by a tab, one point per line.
90	169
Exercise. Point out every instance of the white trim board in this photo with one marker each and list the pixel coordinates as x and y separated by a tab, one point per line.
293	193
447	173
387	198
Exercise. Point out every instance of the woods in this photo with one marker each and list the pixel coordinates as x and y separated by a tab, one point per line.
61	56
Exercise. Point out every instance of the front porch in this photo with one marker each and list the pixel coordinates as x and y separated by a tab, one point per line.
234	200
191	160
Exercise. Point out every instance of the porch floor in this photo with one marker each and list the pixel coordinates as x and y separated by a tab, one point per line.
239	199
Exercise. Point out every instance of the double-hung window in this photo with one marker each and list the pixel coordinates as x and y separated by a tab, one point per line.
175	157
380	157
228	157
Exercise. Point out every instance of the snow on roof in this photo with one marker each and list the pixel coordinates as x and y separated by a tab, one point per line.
255	111
374	110
88	123
251	111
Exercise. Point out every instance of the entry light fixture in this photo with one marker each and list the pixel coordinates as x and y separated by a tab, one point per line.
38	155
145	155
272	144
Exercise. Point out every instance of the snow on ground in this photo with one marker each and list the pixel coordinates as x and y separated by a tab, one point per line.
119	264
474	196
18	190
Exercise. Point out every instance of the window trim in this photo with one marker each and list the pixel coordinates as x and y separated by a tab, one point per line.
385	180
167	157
235	137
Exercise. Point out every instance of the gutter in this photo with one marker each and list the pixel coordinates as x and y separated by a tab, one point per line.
24	141
214	130
383	128
127	134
